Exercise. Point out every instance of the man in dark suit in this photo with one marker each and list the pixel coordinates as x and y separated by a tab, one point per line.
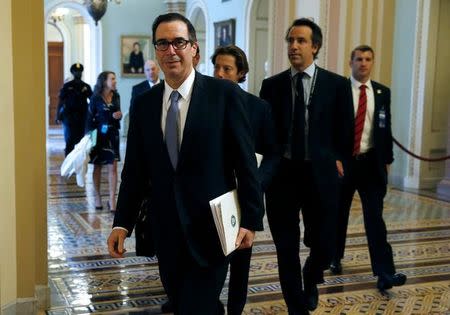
190	139
230	63
308	106
369	155
151	71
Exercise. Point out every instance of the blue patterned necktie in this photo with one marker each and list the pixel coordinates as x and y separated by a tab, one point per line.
171	130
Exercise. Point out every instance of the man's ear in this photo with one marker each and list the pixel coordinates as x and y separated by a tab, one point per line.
315	48
196	48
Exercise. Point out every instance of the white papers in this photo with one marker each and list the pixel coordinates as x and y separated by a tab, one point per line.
77	160
227	217
259	158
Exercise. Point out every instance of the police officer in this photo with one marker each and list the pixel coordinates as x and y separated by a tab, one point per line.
72	107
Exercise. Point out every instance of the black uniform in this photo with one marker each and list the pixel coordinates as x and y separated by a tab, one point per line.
72	111
137	61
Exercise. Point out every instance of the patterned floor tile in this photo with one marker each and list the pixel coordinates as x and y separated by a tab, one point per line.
84	279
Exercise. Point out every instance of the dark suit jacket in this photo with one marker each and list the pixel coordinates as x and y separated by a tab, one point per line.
216	147
138	89
259	114
327	124
144	241
328	112
382	136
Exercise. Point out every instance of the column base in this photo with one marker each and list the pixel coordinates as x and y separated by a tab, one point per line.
443	188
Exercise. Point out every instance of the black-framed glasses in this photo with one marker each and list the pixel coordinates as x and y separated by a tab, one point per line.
177	44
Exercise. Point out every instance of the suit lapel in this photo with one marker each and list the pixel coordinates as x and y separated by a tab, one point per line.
378	96
353	113
153	127
378	100
314	106
285	89
194	111
155	123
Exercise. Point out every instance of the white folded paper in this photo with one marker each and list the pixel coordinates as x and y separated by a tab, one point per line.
77	160
227	217
259	158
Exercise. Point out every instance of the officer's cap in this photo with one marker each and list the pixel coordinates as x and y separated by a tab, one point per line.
76	67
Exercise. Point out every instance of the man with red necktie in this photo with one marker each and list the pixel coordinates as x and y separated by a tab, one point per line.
367	164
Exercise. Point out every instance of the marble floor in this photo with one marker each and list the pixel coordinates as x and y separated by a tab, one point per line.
84	279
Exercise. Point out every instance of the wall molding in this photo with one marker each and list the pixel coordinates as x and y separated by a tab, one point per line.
21	306
324	20
30	305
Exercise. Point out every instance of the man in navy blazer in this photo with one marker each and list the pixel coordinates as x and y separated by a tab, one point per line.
308	106
151	71
214	150
367	160
230	63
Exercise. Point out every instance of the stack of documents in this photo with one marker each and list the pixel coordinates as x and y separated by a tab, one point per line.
227	217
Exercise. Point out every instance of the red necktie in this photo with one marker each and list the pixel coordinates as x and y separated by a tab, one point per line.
359	119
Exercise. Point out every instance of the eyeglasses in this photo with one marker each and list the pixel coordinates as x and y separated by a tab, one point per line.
177	44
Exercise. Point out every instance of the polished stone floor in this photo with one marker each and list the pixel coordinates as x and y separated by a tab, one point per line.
84	279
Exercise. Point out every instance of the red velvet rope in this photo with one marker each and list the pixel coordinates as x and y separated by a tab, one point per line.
420	157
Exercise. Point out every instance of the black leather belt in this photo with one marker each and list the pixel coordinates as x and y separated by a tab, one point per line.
363	156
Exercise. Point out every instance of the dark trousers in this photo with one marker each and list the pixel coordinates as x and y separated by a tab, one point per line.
364	175
192	289
292	189
72	135
237	287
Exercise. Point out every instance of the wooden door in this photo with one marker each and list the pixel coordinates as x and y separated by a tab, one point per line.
55	76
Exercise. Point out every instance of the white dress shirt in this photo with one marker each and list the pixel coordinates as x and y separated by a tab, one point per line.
151	84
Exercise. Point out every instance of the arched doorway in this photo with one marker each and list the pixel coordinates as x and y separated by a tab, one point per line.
82	42
197	15
56	62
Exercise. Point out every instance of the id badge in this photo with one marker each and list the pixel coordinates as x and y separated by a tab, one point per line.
104	129
382	119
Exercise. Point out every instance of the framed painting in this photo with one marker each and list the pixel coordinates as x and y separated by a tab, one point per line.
224	33
134	51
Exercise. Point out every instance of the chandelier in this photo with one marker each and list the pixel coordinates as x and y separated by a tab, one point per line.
97	8
58	14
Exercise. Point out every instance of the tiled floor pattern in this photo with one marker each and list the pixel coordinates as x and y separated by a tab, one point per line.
84	279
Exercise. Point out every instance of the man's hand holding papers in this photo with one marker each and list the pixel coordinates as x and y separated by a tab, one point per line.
245	238
227	218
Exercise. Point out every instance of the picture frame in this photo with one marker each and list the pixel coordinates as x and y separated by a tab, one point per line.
134	51
225	33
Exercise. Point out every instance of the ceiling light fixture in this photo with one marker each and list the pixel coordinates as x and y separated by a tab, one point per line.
97	8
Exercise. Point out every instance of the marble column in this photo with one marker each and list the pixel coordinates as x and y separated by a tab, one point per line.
444	185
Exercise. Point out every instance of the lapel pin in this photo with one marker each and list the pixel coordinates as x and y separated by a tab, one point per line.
378	91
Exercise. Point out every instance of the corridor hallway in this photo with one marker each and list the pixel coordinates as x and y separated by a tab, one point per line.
84	279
